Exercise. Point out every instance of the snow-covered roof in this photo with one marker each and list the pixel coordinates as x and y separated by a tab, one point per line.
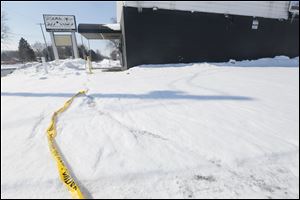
100	31
266	9
115	27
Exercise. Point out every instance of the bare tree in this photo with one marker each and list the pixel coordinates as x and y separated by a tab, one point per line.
38	47
4	27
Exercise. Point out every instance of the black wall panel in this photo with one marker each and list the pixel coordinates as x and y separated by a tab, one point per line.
168	36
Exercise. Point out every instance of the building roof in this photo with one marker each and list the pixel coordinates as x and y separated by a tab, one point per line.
100	31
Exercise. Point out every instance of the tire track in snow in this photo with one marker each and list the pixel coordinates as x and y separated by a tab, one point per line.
146	133
34	130
134	131
98	159
199	74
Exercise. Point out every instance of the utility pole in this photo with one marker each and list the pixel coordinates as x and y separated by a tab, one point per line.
44	39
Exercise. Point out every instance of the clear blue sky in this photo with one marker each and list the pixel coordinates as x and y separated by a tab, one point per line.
23	16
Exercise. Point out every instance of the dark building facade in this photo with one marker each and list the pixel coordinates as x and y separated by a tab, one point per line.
153	35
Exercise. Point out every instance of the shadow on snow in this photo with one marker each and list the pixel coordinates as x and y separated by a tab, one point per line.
155	95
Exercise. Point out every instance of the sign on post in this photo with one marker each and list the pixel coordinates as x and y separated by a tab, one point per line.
60	23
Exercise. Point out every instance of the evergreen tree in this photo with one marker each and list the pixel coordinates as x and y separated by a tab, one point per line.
26	53
95	56
83	52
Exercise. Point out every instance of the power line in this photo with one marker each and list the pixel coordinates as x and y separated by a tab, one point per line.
21	34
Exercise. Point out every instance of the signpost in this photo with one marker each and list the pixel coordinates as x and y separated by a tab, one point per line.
61	23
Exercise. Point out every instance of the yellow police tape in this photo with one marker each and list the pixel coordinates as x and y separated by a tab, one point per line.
64	174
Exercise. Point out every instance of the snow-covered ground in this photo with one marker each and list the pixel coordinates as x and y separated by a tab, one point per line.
203	130
9	68
19	65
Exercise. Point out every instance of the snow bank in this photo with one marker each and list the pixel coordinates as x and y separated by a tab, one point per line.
106	63
59	67
199	130
278	61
